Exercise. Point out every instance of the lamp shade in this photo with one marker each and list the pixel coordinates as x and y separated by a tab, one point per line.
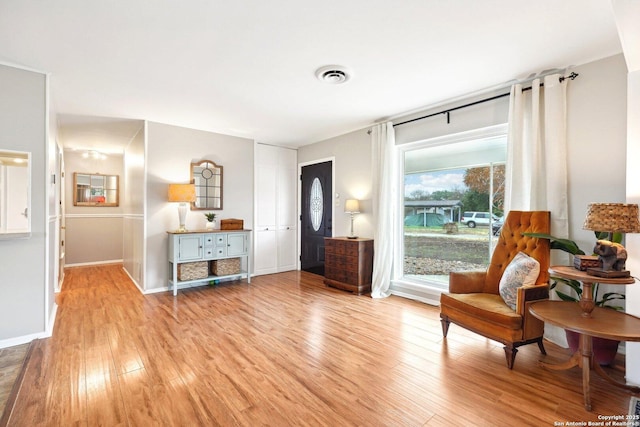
182	193
352	206
612	217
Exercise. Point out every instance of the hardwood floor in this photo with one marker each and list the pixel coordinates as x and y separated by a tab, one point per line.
285	350
11	361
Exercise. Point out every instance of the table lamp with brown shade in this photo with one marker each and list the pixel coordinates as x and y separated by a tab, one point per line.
182	194
611	218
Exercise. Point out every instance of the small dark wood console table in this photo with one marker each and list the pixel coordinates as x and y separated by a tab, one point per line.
348	264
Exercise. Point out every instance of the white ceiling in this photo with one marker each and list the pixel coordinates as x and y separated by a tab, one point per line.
246	68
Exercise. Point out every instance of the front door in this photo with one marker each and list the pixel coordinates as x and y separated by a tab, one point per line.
316	215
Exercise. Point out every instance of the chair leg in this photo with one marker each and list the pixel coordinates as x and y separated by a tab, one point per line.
445	325
541	346
510	352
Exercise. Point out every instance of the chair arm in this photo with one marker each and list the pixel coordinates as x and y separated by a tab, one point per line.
530	293
466	282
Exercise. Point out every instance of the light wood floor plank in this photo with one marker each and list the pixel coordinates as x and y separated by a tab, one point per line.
285	350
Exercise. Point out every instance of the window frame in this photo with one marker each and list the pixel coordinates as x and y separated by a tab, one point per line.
398	278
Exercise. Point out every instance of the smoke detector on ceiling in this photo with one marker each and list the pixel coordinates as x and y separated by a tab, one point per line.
333	74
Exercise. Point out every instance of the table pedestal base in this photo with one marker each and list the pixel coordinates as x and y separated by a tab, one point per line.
583	358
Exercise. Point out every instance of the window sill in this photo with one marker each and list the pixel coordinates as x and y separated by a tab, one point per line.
419	290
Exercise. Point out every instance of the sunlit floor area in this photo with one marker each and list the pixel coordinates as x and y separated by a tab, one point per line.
284	350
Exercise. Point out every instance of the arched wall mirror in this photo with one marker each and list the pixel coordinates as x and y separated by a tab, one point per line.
207	177
92	189
15	184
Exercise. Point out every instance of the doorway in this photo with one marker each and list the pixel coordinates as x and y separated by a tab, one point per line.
316	215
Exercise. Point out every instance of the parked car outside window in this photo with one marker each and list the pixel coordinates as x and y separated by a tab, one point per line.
496	226
472	219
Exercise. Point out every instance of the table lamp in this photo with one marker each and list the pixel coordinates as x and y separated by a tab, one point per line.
352	207
611	218
182	194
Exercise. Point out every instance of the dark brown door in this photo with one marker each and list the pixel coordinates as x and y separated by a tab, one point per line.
316	221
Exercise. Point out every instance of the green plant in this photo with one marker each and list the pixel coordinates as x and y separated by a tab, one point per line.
571	247
210	216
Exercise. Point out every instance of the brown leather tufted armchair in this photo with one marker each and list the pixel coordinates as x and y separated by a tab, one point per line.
474	301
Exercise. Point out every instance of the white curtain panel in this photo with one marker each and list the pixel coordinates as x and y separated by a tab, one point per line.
537	151
384	206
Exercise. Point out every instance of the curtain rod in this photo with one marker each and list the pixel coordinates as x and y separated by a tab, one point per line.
571	76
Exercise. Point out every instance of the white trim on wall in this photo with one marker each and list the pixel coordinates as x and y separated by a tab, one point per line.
105	262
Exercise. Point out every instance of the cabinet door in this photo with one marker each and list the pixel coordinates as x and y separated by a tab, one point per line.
265	259
287	189
287	249
236	244
190	247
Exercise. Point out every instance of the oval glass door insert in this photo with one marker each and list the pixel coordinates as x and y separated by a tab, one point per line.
316	207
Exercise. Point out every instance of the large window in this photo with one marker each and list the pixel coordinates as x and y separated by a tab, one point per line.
453	204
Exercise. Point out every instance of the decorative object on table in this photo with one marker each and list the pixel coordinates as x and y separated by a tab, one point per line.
611	218
211	221
352	207
182	194
231	224
613	256
582	262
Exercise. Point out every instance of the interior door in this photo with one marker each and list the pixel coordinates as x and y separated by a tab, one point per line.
316	215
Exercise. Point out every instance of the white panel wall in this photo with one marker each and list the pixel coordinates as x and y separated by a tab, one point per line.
23	276
133	206
170	151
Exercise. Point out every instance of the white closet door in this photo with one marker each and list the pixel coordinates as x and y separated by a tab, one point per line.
276	210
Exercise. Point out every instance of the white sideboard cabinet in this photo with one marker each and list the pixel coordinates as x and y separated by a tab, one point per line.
208	246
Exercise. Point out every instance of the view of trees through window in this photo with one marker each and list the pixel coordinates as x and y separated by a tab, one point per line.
451	218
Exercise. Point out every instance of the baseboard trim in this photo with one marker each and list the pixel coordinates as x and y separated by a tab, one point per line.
88	264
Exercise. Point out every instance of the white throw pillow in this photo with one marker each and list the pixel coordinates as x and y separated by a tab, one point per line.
521	271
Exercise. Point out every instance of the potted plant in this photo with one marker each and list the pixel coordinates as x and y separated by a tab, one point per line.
604	350
211	220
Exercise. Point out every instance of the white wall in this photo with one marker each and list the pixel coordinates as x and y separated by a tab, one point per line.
93	234
170	151
133	207
596	136
352	178
478	116
23	276
633	196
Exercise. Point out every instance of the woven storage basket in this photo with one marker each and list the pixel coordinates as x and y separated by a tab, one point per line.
223	267
193	270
